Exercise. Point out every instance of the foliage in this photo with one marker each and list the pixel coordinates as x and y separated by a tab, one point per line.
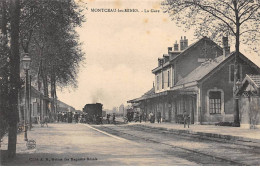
4	54
48	30
215	18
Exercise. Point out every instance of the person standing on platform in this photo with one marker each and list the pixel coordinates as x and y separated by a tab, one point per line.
108	116
114	118
140	117
186	118
159	116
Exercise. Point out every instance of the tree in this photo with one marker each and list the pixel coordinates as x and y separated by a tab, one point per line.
4	73
14	76
236	18
47	30
30	26
10	69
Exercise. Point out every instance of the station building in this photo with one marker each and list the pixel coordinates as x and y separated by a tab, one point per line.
198	79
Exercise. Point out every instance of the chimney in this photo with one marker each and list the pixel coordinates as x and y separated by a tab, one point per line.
176	46
160	62
226	48
181	44
169	50
185	42
166	58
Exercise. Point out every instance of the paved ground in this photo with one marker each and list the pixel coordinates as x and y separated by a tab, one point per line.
77	144
224	130
80	144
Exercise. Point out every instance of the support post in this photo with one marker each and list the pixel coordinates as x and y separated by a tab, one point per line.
26	105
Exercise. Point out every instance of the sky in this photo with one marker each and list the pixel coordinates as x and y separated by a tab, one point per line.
121	49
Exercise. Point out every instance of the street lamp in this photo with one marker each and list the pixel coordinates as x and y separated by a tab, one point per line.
26	62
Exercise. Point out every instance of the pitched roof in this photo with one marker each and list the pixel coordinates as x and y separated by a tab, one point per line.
62	104
143	97
151	91
184	51
255	79
190	46
203	70
251	84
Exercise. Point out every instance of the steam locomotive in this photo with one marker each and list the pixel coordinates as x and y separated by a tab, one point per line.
92	113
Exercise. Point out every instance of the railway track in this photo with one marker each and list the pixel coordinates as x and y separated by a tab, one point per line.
184	135
134	133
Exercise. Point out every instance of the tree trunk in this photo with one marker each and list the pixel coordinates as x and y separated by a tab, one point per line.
53	94
14	77
4	19
46	95
45	88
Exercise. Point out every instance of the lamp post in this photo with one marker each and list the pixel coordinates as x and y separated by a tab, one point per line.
26	61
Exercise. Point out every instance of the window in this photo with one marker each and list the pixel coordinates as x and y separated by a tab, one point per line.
172	76
162	81
214	102
157	82
168	79
35	108
231	72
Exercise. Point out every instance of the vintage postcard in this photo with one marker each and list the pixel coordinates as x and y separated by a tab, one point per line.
130	83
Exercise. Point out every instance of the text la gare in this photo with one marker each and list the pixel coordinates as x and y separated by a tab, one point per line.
151	10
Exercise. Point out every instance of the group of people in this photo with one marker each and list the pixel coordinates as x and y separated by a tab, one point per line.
68	117
186	118
134	116
130	116
113	118
152	117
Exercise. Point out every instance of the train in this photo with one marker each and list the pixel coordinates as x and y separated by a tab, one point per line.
92	113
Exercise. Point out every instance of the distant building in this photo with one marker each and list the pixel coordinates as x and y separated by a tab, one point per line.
121	110
37	106
40	104
36	103
198	79
115	110
63	107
